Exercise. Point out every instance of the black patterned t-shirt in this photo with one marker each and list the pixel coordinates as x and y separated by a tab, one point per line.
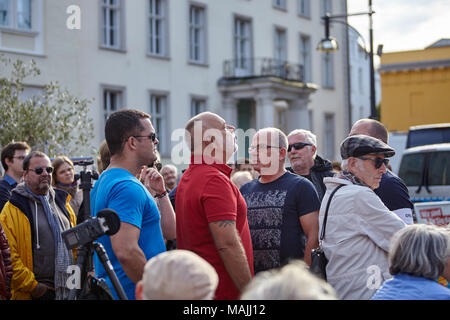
273	212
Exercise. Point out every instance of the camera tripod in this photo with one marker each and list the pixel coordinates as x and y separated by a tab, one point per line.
85	252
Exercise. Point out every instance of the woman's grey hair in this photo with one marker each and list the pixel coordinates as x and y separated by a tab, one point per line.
420	250
291	282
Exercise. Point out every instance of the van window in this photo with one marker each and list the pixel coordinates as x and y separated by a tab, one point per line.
422	137
439	170
411	168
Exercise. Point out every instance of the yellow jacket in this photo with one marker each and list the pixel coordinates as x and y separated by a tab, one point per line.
17	226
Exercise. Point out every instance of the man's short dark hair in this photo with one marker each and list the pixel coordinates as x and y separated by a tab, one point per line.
32	154
10	149
121	125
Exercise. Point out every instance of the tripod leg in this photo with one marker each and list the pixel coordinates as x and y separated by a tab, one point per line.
109	270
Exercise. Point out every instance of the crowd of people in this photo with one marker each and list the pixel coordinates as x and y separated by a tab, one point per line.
220	231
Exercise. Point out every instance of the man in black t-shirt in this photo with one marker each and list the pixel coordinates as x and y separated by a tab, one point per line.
282	207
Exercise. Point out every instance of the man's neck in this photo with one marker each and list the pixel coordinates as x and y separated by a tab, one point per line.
17	178
126	164
271	178
302	172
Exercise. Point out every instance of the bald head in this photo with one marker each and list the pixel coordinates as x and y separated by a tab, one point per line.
370	127
205	121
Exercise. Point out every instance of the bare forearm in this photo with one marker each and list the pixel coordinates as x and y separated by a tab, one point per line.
236	264
310	245
168	222
133	262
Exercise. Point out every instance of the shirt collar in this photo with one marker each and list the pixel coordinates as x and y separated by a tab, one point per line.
9	179
224	168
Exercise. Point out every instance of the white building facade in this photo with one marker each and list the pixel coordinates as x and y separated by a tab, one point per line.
254	62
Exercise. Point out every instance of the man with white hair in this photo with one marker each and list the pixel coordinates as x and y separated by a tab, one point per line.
282	207
302	153
170	175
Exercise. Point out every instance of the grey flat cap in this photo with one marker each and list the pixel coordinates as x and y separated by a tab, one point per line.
360	145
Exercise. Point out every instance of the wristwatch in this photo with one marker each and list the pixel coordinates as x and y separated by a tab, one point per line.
161	195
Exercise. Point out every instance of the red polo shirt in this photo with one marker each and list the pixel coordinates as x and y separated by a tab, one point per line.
206	194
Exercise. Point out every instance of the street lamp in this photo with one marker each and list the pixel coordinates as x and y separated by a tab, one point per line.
329	44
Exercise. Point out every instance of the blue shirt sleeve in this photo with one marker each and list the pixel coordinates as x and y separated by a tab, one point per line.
307	198
128	199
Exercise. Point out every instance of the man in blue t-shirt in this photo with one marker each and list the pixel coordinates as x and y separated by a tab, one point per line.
132	142
282	207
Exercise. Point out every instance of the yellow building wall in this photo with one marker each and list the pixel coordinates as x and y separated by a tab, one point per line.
415	97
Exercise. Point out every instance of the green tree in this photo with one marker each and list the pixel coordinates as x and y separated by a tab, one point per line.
55	122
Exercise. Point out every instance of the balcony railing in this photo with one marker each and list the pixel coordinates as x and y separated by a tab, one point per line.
262	67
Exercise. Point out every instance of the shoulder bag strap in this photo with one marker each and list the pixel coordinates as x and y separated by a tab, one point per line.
322	234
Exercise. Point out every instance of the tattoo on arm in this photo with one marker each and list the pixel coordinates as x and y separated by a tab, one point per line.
224	223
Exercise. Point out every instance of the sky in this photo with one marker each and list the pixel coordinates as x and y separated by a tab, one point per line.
402	24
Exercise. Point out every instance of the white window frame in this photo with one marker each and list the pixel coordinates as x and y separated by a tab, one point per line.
304	8
160	120
328	70
158	43
198	105
197	34
242	41
107	91
280	4
13	18
280	44
305	49
329	135
325	7
106	41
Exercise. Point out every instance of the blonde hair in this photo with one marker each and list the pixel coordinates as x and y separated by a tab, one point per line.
291	282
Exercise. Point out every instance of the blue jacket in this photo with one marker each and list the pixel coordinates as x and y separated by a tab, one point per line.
407	287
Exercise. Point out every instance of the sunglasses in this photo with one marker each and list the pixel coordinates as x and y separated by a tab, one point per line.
40	170
151	136
298	146
378	161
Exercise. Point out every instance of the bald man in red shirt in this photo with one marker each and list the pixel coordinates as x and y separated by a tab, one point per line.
210	211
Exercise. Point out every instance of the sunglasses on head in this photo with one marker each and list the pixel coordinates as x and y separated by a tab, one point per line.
40	170
151	136
378	161
298	146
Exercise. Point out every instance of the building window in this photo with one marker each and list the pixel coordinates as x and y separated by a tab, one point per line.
112	101
280	4
242	46
306	58
158	28
304	8
329	136
280	45
325	7
16	14
198	105
327	70
197	34
112	26
159	114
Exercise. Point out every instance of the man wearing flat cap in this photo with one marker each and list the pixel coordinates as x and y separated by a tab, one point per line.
359	226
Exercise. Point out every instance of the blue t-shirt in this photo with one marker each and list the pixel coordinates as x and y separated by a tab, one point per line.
119	190
273	211
407	287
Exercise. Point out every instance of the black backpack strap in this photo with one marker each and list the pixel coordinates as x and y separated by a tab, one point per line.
322	234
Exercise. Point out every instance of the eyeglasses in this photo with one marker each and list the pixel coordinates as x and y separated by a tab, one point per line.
19	157
40	170
298	146
378	161
258	148
151	136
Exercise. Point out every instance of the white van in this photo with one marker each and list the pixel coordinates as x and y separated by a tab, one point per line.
426	172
